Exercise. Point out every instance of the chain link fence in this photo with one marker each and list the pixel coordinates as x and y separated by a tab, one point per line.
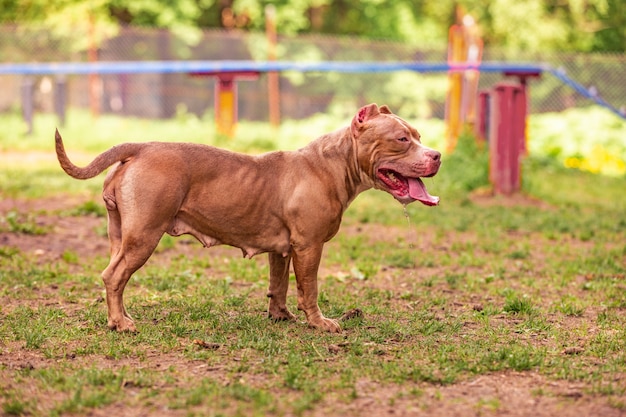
301	94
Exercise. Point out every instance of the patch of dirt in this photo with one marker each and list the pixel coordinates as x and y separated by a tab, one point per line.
75	235
501	394
487	198
83	236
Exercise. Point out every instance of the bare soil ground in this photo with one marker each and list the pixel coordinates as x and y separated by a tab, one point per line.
502	394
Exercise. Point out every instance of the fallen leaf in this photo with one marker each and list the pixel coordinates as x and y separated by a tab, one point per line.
351	314
573	350
206	345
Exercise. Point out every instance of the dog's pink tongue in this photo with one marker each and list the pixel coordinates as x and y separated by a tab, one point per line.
417	190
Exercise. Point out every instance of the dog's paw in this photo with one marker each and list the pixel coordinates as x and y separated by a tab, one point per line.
326	324
280	314
126	324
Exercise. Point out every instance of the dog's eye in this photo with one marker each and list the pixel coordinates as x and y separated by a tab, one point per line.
403	139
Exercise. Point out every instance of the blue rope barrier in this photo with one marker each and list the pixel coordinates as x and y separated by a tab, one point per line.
137	67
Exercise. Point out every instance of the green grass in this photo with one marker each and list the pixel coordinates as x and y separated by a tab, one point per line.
83	133
21	223
463	290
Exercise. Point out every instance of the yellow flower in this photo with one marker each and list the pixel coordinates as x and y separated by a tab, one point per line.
572	162
599	160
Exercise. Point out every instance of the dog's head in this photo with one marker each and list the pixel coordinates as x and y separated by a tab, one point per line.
390	153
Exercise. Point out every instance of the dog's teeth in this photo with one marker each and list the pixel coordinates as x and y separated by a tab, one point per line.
391	176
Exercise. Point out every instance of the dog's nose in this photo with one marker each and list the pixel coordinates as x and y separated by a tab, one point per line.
434	155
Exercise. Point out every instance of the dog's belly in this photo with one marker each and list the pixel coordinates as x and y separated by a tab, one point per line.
251	242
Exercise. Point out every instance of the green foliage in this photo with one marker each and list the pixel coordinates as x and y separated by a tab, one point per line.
17	181
570	307
596	25
14	222
604	153
85	24
518	305
89	208
473	157
547	25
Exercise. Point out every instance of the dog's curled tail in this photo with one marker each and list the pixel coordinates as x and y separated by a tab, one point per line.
98	165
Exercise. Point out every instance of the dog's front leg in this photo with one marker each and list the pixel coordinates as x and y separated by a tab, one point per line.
306	263
279	283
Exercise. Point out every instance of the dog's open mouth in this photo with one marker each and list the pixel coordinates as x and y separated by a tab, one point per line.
406	190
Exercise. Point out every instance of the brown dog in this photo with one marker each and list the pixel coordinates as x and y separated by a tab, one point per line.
285	203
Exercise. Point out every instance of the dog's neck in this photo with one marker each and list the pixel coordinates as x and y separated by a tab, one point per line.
337	156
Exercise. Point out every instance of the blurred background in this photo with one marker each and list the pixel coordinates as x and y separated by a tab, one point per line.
578	126
586	39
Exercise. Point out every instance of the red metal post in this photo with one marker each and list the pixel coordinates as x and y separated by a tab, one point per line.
507	142
507	113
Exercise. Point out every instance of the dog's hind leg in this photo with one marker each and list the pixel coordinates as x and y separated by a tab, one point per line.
279	283
134	251
133	239
141	207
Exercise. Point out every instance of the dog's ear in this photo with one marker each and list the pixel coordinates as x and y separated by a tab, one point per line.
384	109
364	114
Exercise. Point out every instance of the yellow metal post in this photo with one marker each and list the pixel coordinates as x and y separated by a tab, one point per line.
464	47
226	105
456	55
